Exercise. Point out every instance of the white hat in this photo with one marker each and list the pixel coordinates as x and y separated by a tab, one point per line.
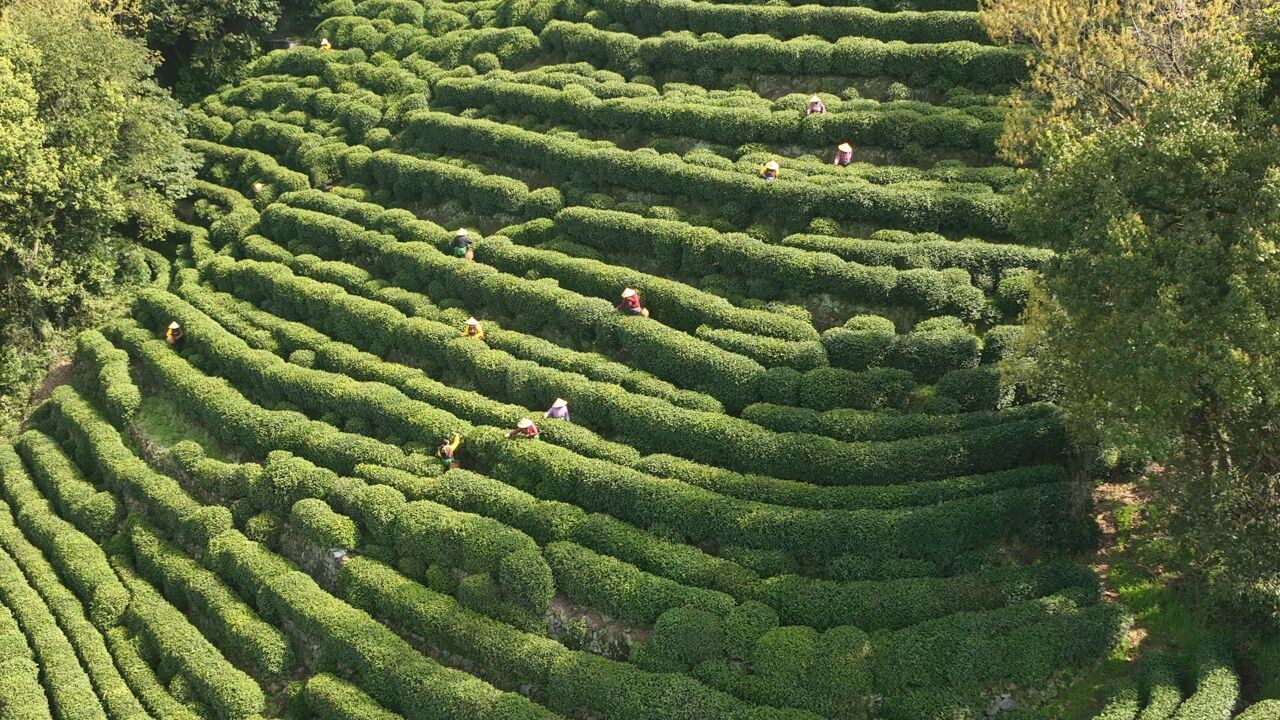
844	147
174	325
559	403
524	423
324	41
628	292
460	232
472	321
814	99
257	186
772	165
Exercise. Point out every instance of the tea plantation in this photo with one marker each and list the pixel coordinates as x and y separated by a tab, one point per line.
795	489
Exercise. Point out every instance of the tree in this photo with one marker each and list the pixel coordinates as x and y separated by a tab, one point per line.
1158	324
206	43
1097	61
91	158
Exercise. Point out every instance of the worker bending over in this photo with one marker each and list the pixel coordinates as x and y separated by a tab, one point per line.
631	303
448	452
559	410
462	244
174	335
473	329
525	429
770	171
844	155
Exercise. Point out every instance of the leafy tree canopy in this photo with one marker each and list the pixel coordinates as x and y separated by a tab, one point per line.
1158	325
91	157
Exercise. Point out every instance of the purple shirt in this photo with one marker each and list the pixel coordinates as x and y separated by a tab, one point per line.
558	413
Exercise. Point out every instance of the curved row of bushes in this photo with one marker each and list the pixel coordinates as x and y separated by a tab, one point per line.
78	558
21	696
94	512
67	689
974	256
861	425
941	530
792	198
646	423
959	62
650	17
698	251
223	617
890	127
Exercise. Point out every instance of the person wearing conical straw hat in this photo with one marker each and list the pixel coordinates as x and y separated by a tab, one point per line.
473	328
324	44
173	334
462	244
559	410
844	155
258	187
631	303
525	429
770	171
815	107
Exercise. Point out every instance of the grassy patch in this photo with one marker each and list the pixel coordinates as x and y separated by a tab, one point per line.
161	420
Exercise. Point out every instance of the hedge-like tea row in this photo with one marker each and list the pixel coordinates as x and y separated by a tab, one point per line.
394	407
21	697
1261	710
891	127
929	351
142	679
107	369
1041	514
218	405
330	698
571	679
228	622
1160	686
651	345
510	46
79	558
620	589
319	525
937	668
672	303
94	512
387	667
1122	703
521	345
100	446
67	685
698	251
426	533
860	425
549	521
243	168
650	424
115	695
793	198
1217	687
228	691
894	604
822	388
768	351
958	62
979	259
849	497
651	17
